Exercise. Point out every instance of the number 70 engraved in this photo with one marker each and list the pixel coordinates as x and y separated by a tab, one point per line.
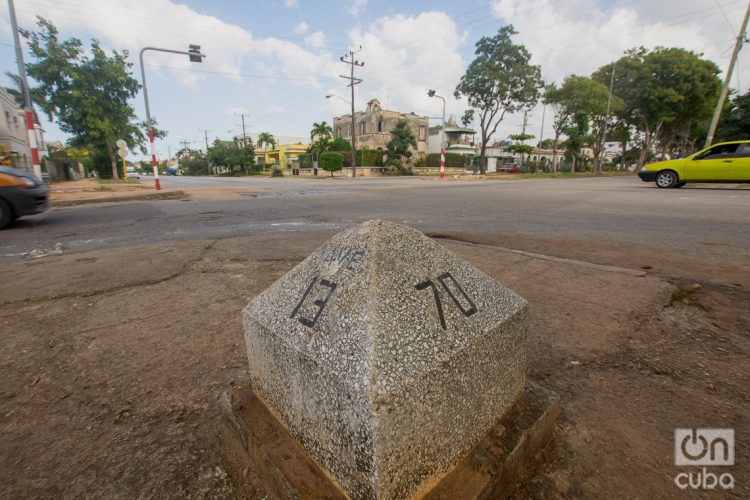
435	291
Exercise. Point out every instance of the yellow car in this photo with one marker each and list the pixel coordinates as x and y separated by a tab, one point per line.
725	162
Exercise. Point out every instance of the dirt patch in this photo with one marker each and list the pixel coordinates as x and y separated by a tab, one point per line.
113	366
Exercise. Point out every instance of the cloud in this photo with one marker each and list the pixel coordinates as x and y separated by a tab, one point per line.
580	36
419	53
357	7
230	49
291	4
317	39
564	42
301	28
239	110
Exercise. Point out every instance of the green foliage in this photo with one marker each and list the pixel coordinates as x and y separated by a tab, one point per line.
276	171
370	157
266	139
340	144
402	139
331	162
499	80
87	91
580	107
452	160
320	137
734	124
547	143
467	118
234	155
664	91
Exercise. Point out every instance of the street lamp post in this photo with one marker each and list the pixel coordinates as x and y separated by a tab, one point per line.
432	93
194	52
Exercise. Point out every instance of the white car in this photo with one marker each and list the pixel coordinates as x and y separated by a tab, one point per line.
132	174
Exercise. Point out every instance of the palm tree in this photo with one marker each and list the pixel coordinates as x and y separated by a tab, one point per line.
321	130
266	139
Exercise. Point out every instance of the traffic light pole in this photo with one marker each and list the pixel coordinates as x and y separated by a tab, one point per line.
195	56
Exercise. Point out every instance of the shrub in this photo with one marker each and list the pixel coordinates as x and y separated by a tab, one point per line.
276	171
452	160
331	162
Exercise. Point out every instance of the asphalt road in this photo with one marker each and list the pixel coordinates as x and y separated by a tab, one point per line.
703	231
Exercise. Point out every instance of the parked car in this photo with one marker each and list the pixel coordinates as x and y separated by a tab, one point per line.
509	168
724	162
132	174
20	194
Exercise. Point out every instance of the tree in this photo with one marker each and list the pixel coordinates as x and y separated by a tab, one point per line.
331	162
547	144
402	139
266	139
232	154
87	91
662	91
519	147
321	132
735	121
340	144
499	80
554	97
467	118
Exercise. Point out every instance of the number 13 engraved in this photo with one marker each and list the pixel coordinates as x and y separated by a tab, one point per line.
435	291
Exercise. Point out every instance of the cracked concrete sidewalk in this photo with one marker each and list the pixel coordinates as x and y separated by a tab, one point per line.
113	362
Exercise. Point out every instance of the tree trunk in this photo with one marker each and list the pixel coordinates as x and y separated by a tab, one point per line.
113	161
482	158
624	150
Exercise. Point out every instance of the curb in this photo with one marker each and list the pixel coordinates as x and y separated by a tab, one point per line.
168	195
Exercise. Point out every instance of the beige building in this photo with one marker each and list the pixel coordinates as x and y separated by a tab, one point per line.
374	127
15	136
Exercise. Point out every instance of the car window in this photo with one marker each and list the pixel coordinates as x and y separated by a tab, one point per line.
721	151
743	151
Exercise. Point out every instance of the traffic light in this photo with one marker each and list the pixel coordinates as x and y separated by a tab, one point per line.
195	53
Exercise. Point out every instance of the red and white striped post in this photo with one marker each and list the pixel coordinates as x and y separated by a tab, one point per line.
442	158
153	159
33	145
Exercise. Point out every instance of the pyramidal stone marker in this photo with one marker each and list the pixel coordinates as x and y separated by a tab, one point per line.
387	357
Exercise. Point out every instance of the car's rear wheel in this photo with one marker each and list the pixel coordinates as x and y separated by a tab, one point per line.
6	214
666	179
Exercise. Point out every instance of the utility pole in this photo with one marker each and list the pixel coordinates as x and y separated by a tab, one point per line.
27	104
523	133
244	135
352	82
205	135
727	78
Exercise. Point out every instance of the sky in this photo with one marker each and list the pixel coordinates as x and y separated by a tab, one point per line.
275	61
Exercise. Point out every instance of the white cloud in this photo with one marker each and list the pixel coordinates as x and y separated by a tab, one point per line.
317	39
239	110
564	42
579	36
291	4
419	53
357	7
301	28
229	48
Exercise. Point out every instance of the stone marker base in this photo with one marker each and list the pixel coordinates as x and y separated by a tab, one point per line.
255	440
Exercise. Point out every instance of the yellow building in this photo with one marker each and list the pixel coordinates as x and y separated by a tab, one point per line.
281	154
